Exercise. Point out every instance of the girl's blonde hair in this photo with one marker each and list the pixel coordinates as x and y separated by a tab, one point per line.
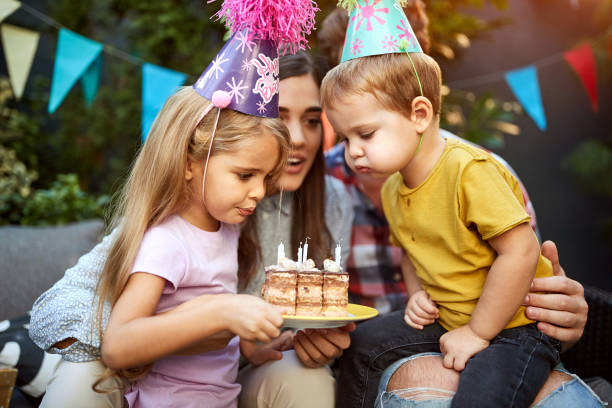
156	186
389	78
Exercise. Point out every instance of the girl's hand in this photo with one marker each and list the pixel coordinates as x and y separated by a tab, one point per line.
253	319
258	354
420	310
459	345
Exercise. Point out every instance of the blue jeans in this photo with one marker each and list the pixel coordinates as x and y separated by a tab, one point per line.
525	354
573	393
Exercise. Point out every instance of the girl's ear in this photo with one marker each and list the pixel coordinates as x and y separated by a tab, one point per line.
422	113
189	170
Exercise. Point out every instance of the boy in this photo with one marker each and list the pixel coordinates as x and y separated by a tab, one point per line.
459	218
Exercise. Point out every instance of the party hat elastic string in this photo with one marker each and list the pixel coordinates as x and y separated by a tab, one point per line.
220	100
403	45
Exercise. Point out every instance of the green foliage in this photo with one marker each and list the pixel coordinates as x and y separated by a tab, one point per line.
64	202
15	186
97	143
450	27
591	166
484	120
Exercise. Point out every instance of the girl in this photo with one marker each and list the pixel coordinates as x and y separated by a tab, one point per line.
177	240
61	321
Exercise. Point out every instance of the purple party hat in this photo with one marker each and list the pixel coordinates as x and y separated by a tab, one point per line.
248	71
246	68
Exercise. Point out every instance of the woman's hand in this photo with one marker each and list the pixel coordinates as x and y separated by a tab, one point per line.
258	354
420	310
318	347
253	319
561	311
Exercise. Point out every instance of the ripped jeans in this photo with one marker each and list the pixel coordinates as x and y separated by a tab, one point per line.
509	372
574	393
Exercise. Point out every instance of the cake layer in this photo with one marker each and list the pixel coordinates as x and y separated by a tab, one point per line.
288	309
305	310
333	310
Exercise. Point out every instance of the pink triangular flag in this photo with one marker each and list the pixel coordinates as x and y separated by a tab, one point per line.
583	62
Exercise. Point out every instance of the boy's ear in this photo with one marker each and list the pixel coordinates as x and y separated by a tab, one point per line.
422	113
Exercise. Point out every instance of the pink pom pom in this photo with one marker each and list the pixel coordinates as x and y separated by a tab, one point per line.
221	99
286	22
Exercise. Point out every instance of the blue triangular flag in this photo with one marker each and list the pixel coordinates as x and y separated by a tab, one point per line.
91	79
524	83
73	56
157	85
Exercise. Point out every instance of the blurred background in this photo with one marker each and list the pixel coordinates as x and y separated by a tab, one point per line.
528	79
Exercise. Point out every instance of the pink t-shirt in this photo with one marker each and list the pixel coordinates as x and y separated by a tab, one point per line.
193	262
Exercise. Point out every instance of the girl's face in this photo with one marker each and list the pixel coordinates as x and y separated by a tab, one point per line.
235	182
300	109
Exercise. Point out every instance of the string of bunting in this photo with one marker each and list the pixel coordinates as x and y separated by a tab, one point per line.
80	58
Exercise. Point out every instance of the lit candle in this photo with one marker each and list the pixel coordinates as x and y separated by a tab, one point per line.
338	254
299	260
281	253
305	256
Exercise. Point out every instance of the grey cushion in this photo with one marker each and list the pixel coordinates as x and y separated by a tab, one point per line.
32	259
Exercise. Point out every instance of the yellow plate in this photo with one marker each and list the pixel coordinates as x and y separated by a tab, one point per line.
355	313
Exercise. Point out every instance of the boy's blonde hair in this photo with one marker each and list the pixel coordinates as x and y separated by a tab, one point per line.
156	186
389	78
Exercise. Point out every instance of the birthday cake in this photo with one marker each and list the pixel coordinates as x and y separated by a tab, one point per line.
301	289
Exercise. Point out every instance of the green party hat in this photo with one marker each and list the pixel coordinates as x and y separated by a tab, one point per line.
377	27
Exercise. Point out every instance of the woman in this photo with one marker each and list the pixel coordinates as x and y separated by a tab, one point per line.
310	204
313	205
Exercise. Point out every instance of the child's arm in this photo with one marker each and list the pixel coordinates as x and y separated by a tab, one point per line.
505	288
420	310
135	336
508	280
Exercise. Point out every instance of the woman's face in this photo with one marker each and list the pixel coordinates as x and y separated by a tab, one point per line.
300	109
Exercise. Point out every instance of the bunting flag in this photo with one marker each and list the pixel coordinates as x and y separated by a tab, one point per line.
8	7
524	84
158	84
19	48
91	79
583	62
74	55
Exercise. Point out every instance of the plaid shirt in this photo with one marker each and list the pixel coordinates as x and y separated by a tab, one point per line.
374	265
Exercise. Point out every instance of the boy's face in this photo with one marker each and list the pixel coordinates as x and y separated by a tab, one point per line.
379	142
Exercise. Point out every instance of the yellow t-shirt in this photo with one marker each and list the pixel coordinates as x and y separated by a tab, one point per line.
444	224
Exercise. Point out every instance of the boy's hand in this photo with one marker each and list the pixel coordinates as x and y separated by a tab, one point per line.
253	319
420	310
459	345
258	354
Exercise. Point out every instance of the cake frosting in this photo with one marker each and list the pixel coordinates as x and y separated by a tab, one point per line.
304	290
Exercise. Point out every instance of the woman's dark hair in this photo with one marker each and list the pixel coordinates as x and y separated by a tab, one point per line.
309	199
